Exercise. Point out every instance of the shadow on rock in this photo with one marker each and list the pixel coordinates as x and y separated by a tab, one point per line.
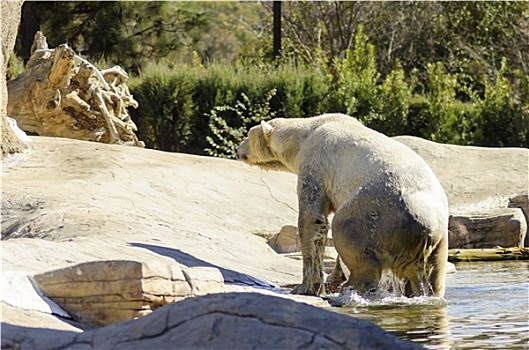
230	276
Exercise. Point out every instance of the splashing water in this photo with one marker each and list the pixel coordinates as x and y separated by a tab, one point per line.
486	306
352	300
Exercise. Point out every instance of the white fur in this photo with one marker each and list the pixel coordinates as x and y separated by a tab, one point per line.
391	211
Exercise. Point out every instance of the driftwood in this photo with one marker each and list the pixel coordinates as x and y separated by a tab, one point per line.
492	254
61	94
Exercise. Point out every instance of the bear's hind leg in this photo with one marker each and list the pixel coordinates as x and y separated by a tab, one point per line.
356	241
365	269
426	276
436	263
414	281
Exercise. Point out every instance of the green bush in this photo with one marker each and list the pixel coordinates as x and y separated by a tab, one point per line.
166	109
395	95
357	78
503	120
176	103
15	67
226	137
206	109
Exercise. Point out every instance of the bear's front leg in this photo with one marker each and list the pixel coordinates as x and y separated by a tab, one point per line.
313	227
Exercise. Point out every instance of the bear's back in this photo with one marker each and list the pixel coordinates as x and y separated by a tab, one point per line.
348	155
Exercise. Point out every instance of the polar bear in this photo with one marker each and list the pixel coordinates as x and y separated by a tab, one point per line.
390	211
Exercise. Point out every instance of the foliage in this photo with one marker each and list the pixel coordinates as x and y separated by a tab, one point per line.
358	77
134	33
164	117
298	91
437	70
15	67
226	136
503	120
469	38
221	100
395	95
441	98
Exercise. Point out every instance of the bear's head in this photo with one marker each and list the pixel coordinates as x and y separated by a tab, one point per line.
257	148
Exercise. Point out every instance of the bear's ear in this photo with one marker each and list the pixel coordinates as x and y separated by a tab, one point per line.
267	130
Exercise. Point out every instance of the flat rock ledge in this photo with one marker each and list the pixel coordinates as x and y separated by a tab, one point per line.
219	321
99	293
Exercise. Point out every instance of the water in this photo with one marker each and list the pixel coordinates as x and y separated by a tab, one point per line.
486	306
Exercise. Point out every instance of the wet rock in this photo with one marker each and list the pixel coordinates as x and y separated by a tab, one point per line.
104	292
486	229
522	202
220	321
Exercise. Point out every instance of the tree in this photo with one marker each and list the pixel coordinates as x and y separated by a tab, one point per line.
468	37
127	33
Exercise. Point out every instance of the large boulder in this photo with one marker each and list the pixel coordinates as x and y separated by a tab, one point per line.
219	321
104	292
487	229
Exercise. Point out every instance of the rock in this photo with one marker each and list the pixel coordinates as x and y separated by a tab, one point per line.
31	318
522	202
104	292
450	268
66	202
487	228
220	321
204	280
286	241
19	291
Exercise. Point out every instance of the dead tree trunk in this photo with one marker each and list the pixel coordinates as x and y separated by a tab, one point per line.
10	18
61	94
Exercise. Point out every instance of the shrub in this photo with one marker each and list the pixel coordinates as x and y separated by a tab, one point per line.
394	97
164	115
503	120
441	99
226	136
176	103
357	79
204	109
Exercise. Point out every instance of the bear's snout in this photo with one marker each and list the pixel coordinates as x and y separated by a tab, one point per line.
242	153
240	156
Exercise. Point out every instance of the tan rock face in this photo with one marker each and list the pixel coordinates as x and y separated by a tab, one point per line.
286	241
487	229
522	202
475	178
104	292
